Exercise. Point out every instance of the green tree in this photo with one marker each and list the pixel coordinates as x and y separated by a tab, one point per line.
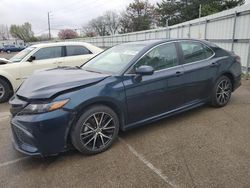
189	9
138	16
23	32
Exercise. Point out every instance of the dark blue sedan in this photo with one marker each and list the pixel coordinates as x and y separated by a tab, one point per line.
12	48
126	86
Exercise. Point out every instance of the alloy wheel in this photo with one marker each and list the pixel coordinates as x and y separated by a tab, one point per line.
2	91
97	131
223	91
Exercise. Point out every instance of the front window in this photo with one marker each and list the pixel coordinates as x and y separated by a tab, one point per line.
19	56
160	57
48	53
114	60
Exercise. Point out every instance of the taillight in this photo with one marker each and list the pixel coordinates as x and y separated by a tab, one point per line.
237	59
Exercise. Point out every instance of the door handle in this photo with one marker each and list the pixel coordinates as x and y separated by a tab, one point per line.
214	64
179	73
59	62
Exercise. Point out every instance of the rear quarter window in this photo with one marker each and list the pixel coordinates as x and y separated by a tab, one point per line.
195	51
77	50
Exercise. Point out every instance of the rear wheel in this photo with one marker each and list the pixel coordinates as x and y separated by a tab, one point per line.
222	92
5	91
96	130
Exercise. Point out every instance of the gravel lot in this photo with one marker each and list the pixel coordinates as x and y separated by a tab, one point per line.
205	147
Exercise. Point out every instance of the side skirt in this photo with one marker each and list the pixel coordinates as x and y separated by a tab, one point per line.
164	115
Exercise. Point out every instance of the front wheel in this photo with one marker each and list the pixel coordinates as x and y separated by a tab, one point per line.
5	91
96	130
221	92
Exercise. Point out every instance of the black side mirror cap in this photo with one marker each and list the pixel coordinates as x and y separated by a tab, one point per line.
32	58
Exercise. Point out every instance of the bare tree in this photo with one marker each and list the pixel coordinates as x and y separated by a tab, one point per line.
99	25
112	22
4	32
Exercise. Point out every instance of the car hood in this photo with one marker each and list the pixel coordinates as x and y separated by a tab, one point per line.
46	84
4	61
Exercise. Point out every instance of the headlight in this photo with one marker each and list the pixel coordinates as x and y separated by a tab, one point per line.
42	108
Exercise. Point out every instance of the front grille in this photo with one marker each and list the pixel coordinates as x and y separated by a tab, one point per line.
21	136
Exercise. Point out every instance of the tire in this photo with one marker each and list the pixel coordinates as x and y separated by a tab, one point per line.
8	51
90	138
5	91
221	92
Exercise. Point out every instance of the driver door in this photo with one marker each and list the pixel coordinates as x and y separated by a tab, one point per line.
45	58
159	93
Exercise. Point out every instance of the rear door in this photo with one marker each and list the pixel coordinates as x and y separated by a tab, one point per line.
157	93
45	58
200	69
76	55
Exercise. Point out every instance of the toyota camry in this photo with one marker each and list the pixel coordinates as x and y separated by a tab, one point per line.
128	85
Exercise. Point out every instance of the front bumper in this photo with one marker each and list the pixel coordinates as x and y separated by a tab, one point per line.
41	134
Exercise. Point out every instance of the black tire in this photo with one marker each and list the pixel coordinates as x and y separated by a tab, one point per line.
5	91
221	92
8	51
89	138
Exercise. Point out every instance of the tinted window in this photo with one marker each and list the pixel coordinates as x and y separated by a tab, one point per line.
48	53
77	50
195	51
161	57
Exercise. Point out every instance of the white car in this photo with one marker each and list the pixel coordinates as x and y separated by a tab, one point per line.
41	56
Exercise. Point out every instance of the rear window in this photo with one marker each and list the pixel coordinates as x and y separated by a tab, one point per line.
77	50
195	51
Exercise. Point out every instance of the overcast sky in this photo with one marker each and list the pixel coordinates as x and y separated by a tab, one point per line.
64	13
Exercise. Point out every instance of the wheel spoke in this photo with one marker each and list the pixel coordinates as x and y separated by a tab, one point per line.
100	122
86	136
106	128
107	123
96	121
105	136
88	132
102	140
89	140
94	142
89	127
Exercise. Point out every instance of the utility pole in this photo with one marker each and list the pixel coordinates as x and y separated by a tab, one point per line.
49	26
199	21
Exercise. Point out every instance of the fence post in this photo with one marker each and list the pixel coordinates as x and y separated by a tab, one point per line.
205	34
233	34
189	28
248	61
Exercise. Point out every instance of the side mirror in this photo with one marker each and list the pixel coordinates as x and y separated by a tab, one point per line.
144	70
31	58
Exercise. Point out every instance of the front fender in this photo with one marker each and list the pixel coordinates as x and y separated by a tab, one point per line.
14	83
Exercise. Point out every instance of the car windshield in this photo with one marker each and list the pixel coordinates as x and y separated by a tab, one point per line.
18	57
114	60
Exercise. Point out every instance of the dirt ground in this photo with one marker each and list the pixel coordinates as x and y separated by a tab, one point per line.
205	147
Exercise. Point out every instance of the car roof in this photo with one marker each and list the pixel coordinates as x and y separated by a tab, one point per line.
51	44
159	41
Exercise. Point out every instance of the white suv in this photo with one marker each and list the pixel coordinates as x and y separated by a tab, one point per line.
42	56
